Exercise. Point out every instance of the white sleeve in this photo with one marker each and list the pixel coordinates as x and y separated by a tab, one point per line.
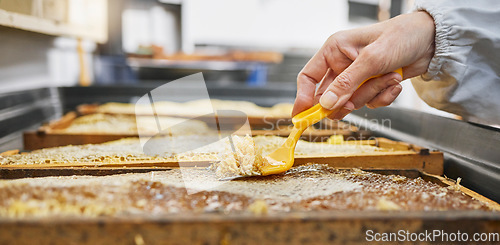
463	76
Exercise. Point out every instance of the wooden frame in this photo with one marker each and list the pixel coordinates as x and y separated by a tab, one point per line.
47	135
339	227
398	155
318	227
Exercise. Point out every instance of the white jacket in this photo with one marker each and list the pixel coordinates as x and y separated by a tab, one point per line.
464	75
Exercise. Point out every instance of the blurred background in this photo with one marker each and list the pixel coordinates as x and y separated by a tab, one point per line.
244	43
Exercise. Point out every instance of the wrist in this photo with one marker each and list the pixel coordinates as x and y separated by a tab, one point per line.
428	32
429	27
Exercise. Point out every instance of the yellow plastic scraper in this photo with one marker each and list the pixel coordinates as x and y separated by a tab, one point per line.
282	159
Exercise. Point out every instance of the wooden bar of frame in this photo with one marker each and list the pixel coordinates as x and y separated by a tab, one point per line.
333	227
47	135
34	140
398	155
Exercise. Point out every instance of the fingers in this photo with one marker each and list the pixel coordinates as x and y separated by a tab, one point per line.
345	67
329	57
327	80
348	108
312	73
355	55
372	88
344	85
386	97
377	92
305	96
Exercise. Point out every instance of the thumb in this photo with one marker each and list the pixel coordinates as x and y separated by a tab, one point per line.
344	85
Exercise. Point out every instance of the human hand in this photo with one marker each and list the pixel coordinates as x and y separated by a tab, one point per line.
349	57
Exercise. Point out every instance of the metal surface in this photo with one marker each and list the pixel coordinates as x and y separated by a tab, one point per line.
24	110
471	151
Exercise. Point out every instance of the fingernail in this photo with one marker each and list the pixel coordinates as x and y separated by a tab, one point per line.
328	100
395	81
396	90
347	108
